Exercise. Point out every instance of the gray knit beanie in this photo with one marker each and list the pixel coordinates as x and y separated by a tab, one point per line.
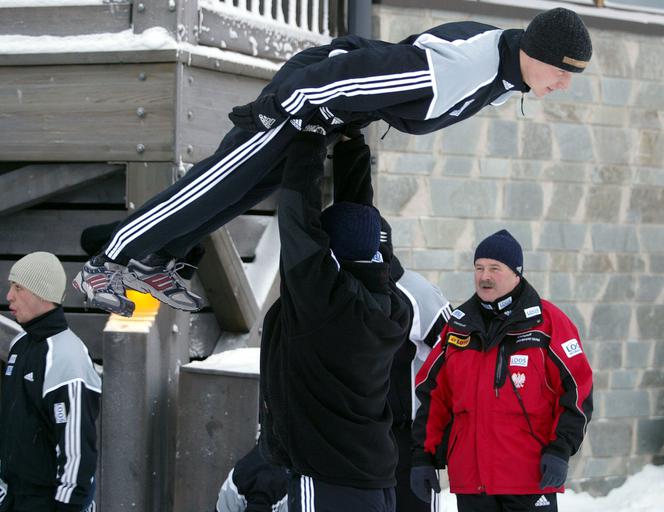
42	274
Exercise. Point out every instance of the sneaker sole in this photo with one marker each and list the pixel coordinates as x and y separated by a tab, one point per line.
138	285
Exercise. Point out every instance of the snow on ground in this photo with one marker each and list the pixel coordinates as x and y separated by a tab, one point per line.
643	492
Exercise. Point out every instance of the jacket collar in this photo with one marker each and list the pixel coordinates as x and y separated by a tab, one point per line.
525	313
510	63
375	276
50	323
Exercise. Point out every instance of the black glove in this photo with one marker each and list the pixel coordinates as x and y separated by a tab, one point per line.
554	471
259	115
423	480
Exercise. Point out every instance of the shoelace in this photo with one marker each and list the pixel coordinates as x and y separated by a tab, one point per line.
172	271
115	282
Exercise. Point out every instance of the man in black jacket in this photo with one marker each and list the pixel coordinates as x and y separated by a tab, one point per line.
327	347
420	85
50	399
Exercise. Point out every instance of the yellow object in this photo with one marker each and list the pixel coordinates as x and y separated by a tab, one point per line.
146	304
458	340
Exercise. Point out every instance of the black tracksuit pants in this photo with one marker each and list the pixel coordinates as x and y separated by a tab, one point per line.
507	503
245	169
306	494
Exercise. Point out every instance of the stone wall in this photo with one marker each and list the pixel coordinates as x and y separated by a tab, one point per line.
579	180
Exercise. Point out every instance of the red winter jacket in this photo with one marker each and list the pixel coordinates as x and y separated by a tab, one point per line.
508	396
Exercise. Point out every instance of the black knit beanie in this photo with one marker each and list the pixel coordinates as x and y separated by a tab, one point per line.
503	247
558	37
354	230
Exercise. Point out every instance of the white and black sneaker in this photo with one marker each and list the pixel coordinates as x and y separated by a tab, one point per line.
163	283
101	283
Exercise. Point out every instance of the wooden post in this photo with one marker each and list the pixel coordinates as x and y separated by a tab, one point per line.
179	17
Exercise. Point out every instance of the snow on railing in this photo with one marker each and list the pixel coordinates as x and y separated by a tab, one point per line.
309	15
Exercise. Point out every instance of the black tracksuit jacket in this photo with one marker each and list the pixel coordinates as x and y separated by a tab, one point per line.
424	83
50	402
327	345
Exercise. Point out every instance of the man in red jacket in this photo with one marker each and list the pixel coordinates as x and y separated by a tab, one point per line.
510	385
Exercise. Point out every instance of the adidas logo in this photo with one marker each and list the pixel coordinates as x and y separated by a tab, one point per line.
267	121
542	502
507	85
297	123
29	377
336	120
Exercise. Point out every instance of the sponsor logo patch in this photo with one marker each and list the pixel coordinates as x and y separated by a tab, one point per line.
572	347
9	370
519	380
507	85
29	376
458	314
542	502
60	412
12	359
297	123
519	360
531	312
504	303
459	341
266	120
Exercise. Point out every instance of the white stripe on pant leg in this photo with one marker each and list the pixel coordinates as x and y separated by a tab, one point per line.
216	173
307	494
157	210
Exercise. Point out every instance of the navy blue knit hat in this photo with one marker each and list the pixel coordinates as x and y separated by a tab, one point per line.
503	247
354	230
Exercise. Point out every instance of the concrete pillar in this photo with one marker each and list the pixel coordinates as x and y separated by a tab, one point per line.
217	422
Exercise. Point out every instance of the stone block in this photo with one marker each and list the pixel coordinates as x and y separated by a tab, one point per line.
649	64
614	238
650	321
394	193
643	118
616	91
658	357
538	280
433	260
495	168
609	355
404	231
621	403
536	261
560	287
522	231
558	236
630	263
599	486
597	263
428	142
564	262
610	438
523	200
523	169
596	467
574	113
462	198
413	163
652	240
609	116
650	288
536	142
624	379
566	171
503	138
405	257
581	90
649	95
603	204
621	288
589	286
612	175
615	145
565	201
650	150
649	435
601	378
653	378
444	233
613	57
458	166
610	322
393	141
463	138
656	262
646	205
638	354
658	398
574	142
649	176
457	286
